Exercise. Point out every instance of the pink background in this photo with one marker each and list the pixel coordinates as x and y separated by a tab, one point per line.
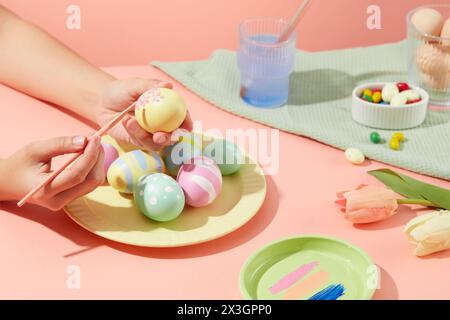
133	32
37	246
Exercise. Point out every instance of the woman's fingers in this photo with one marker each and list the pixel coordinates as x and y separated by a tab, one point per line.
44	150
77	173
187	124
95	178
141	137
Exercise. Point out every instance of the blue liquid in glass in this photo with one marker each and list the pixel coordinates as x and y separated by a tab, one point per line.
265	72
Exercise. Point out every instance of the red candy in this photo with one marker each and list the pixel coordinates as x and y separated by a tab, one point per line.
414	101
402	86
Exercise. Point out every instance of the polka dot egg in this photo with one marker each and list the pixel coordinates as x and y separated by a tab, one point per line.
201	181
159	197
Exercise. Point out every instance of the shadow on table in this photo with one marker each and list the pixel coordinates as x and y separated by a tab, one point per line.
388	289
401	218
322	85
63	225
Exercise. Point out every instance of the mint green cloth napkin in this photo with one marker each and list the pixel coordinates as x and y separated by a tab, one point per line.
319	105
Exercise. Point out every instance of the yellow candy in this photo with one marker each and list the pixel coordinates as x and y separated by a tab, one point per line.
367	92
160	109
399	136
394	144
125	171
376	97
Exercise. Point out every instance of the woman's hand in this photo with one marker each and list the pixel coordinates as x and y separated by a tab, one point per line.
118	96
30	165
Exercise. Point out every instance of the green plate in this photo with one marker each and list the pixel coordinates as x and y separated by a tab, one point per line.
298	268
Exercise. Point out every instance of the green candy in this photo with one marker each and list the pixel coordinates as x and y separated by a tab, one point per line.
367	98
375	137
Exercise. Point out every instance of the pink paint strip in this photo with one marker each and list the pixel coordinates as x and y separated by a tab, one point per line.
293	277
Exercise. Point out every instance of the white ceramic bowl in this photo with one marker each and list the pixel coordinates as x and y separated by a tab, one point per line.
385	116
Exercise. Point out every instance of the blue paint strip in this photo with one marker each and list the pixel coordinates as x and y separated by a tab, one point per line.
140	157
159	164
127	173
332	292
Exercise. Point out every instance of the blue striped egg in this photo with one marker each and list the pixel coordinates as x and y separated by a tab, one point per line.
125	171
190	146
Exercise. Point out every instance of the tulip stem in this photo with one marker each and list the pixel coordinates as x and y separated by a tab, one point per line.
421	202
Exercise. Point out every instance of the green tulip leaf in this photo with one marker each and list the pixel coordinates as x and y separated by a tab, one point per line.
395	182
412	188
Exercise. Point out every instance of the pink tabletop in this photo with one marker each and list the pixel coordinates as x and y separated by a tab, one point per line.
38	247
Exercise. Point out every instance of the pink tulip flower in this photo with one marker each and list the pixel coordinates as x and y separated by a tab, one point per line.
367	204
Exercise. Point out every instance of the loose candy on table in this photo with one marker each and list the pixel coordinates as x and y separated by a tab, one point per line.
394	144
226	155
159	197
125	171
160	109
354	155
201	181
399	136
375	137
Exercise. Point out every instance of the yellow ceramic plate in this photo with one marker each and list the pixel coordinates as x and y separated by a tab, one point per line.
114	216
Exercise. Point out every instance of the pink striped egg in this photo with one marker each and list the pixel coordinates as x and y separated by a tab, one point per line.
200	180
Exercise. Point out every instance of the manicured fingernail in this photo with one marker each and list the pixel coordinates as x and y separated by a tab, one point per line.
162	139
79	141
165	84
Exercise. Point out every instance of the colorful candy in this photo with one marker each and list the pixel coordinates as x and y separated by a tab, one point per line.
398	100
367	92
159	197
394	94
394	144
129	167
399	136
201	181
354	155
376	97
226	154
389	91
402	86
160	109
375	137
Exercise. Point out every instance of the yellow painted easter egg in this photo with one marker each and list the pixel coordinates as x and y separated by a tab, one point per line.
125	171
160	109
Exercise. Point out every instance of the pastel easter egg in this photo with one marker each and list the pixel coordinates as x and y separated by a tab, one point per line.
201	181
110	153
428	21
159	197
160	109
226	155
179	153
129	167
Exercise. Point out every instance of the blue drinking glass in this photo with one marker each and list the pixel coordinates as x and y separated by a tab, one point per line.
265	65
